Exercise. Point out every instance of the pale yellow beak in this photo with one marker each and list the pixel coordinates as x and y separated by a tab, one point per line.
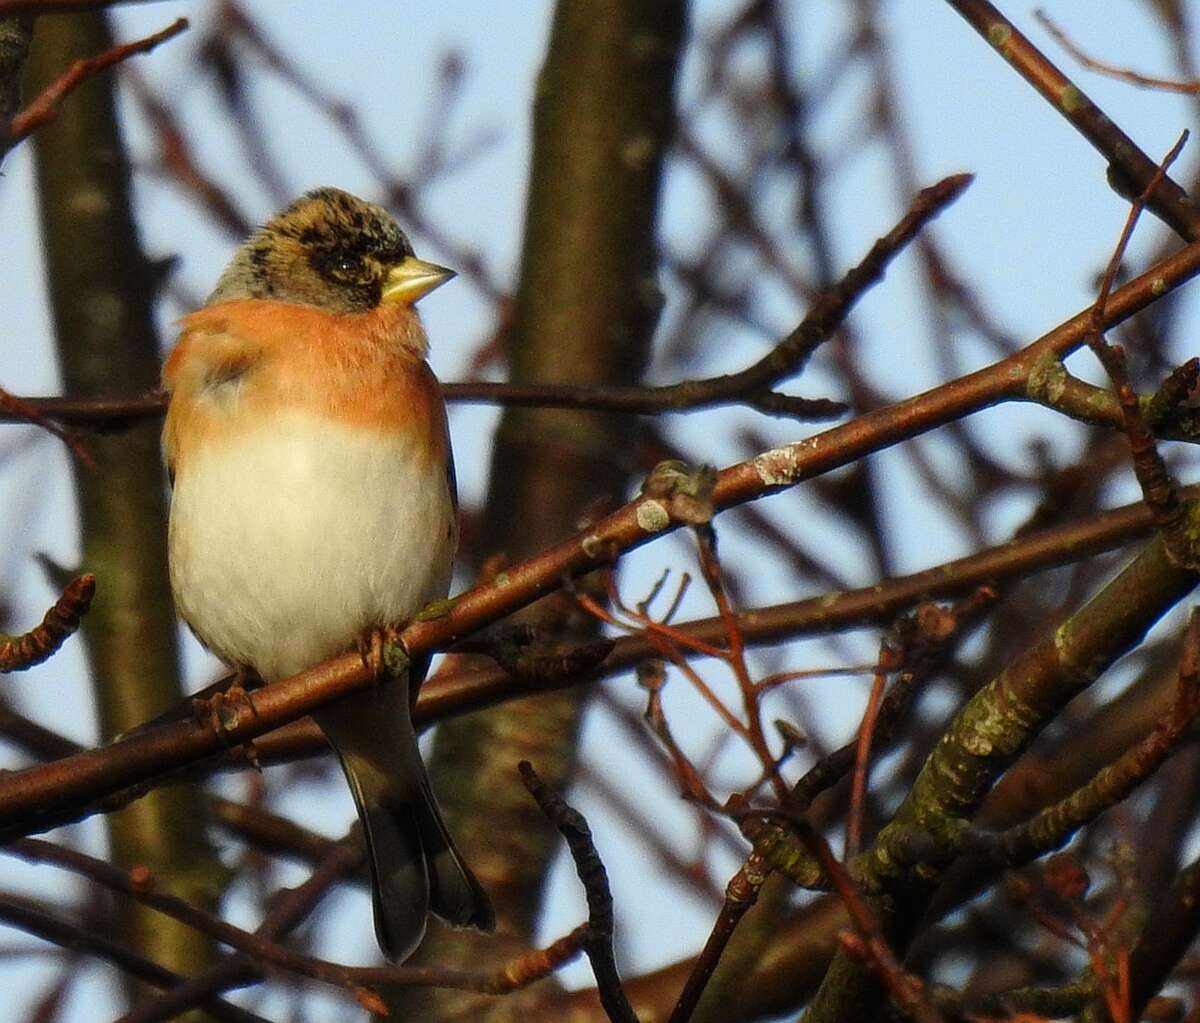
412	279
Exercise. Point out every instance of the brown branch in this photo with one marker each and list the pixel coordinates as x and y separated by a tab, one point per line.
875	950
139	885
67	935
463	691
1130	168
44	108
117	412
41	642
598	945
20	410
740	895
32	798
100	414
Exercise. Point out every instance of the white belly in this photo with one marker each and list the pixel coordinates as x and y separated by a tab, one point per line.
288	542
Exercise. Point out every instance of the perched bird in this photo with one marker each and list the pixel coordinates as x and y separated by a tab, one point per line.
314	503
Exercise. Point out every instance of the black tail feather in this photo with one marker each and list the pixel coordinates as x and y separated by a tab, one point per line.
455	894
415	868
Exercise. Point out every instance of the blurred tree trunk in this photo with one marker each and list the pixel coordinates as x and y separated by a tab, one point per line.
15	34
102	289
586	309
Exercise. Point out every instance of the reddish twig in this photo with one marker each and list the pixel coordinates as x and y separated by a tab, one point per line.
44	108
22	410
41	642
1158	488
1135	211
888	662
541	962
1111	70
652	677
875	950
735	657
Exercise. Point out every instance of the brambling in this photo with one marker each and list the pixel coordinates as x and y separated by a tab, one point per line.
314	503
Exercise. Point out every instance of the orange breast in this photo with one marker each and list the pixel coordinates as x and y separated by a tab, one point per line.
253	358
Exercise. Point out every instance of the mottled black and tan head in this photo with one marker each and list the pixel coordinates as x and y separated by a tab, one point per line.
331	250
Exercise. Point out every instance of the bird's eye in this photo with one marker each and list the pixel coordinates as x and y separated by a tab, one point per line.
342	267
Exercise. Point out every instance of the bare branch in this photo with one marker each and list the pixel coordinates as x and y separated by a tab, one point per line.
44	108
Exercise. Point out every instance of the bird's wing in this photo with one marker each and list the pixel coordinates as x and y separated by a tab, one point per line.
206	358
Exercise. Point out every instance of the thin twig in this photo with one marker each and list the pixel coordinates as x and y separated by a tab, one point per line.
21	410
740	894
888	661
599	944
44	108
1104	68
1158	488
139	885
41	642
754	733
50	928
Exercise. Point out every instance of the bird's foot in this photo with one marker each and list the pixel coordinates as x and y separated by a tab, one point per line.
382	651
222	710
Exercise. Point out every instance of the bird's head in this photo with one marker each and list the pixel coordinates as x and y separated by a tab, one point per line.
331	250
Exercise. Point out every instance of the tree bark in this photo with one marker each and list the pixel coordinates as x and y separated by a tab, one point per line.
101	290
586	309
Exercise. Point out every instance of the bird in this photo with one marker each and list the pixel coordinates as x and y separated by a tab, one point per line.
314	504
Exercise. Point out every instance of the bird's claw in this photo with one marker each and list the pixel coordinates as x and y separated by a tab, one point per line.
223	710
382	651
